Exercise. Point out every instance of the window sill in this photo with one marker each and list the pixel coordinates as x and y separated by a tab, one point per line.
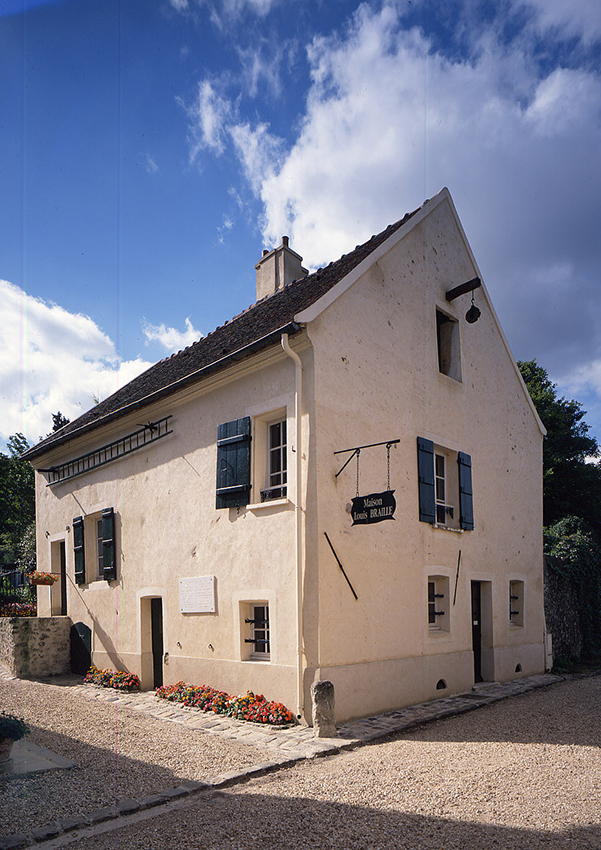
273	503
259	660
448	528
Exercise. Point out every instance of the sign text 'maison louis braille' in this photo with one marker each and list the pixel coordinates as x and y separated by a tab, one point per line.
373	508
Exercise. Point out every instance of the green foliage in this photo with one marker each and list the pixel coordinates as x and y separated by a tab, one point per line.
59	421
577	556
571	486
17	498
12	727
26	555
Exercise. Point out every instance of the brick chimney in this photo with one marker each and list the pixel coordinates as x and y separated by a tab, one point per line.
278	267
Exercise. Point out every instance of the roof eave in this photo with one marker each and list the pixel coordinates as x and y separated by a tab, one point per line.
217	365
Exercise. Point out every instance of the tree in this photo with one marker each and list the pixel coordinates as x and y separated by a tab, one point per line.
571	485
17	497
58	421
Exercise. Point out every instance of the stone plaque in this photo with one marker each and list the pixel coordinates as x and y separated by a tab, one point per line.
197	595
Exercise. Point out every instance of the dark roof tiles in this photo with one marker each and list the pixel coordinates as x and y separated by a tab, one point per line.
271	314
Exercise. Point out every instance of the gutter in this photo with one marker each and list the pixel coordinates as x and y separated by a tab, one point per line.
180	383
298	515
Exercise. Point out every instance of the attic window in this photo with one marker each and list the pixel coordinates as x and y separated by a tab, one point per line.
447	335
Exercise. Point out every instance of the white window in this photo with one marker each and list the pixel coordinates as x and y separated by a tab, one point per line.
438	603
277	462
516	603
257	625
444	511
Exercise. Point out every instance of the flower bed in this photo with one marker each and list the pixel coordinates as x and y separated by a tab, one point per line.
18	609
252	707
119	680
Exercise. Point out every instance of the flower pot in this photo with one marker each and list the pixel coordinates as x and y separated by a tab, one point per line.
6	745
42	579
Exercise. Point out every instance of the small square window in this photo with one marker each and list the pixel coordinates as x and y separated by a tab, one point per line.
438	605
516	603
259	639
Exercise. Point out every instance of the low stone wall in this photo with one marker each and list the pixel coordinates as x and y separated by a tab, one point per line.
35	646
561	612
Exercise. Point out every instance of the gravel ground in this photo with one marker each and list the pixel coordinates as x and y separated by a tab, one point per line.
119	753
523	773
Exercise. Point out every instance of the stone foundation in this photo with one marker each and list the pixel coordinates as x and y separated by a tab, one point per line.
35	646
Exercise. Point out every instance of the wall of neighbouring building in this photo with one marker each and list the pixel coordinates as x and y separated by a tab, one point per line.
35	646
561	612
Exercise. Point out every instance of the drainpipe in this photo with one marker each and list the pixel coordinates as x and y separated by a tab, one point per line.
298	400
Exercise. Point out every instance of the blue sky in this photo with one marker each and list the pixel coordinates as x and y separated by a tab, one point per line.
149	151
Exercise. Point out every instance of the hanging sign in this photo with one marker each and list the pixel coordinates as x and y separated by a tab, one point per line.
373	508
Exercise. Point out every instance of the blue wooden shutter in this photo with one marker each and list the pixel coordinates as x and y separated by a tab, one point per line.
79	550
233	463
109	567
425	470
466	499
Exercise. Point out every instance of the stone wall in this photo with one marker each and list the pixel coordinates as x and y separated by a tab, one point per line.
35	646
561	613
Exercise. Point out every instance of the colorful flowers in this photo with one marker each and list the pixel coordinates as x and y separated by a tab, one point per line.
37	577
251	707
18	609
109	679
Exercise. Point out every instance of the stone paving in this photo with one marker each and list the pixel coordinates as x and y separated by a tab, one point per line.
288	745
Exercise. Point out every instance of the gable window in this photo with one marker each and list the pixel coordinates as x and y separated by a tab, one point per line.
447	338
258	625
277	462
233	463
445	486
438	592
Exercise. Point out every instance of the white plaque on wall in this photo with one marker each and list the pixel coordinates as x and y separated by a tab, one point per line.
197	595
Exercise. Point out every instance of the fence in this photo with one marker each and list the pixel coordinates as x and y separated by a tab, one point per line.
17	597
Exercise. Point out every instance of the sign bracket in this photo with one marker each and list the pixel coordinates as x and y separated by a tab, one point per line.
357	449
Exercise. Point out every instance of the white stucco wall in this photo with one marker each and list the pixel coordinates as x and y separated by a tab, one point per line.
167	528
377	378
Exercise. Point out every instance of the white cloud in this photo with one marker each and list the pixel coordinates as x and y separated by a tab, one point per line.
578	18
170	338
150	165
52	360
210	114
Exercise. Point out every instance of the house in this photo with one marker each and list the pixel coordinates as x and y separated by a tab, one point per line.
341	483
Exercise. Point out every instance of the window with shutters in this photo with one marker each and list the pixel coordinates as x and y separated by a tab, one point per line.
277	462
233	463
256	631
438	603
94	547
516	603
447	338
445	486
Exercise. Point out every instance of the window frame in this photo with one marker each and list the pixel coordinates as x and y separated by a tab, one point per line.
437	588
516	603
257	630
448	347
279	451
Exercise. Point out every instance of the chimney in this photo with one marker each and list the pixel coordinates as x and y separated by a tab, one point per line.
277	268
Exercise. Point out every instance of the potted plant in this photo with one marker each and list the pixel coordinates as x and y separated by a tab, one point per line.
42	578
12	728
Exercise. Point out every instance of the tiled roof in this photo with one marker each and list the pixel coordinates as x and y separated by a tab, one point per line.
255	328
